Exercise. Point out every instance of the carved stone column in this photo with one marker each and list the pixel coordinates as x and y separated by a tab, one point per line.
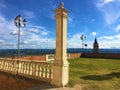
61	65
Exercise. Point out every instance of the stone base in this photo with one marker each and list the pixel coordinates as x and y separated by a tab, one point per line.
60	74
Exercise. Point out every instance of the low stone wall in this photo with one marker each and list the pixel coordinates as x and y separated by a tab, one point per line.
51	57
48	57
101	55
34	57
74	55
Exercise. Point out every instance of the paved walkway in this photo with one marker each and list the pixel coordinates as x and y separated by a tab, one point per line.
11	82
62	88
47	86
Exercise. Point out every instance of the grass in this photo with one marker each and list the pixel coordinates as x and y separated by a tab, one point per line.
95	74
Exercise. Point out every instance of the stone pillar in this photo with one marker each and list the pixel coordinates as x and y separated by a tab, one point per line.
61	65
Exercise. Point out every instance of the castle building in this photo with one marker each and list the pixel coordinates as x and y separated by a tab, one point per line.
95	46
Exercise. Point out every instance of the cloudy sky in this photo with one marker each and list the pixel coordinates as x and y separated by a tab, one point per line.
92	18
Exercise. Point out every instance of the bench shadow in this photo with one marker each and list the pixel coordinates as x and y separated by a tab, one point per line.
102	77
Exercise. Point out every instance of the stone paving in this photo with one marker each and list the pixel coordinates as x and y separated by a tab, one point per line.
11	82
62	88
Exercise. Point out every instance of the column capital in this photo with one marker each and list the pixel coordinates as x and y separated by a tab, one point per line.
61	65
61	12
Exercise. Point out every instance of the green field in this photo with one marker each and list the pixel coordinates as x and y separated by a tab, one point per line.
95	74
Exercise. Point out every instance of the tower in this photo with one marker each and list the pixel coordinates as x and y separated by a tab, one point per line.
61	65
95	46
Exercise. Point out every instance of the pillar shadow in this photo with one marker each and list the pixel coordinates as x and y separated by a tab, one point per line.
114	74
102	77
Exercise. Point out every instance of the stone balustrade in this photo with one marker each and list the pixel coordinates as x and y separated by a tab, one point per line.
31	69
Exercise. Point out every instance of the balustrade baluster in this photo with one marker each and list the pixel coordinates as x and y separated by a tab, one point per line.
42	70
39	70
0	63
33	69
12	66
50	71
22	67
46	71
36	73
5	65
30	68
25	68
19	66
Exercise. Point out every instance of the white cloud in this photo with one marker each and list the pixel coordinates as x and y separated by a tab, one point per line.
110	10
38	29
37	41
104	41
104	2
29	36
109	44
107	37
117	37
29	14
92	20
2	4
34	30
14	32
2	41
24	42
70	19
74	41
114	38
109	41
44	33
117	28
2	19
6	27
108	1
94	33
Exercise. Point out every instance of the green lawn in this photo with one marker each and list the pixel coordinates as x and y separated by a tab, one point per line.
95	74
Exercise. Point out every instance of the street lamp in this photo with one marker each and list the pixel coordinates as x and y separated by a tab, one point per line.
17	22
83	38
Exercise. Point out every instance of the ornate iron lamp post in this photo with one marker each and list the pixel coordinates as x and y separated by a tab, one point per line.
17	22
83	38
